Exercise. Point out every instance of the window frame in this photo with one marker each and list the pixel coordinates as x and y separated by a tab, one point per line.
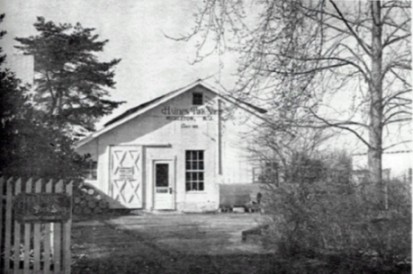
158	178
198	96
91	171
194	171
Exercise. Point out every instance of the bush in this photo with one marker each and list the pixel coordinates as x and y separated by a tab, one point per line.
317	210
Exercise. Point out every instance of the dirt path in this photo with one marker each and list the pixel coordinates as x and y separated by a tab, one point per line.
164	244
99	247
200	234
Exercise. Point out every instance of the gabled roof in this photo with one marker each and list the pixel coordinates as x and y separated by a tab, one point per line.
137	108
142	108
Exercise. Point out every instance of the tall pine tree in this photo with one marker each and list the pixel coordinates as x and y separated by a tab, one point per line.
70	82
30	145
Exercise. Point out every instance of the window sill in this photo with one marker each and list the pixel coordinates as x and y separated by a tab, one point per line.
195	192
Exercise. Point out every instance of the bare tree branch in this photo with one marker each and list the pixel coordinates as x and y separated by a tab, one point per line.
366	48
397	144
342	125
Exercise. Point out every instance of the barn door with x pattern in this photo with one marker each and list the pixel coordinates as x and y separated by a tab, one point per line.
126	175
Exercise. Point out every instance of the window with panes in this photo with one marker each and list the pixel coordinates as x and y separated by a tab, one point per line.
90	171
197	99
194	170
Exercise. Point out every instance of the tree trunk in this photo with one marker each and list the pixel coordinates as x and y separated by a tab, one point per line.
376	108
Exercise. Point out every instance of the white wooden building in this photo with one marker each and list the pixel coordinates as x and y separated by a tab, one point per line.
172	153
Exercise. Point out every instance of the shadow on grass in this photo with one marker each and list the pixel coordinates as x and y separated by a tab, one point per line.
183	264
109	214
229	264
103	248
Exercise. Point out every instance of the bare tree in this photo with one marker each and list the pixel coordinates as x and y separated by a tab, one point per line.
295	54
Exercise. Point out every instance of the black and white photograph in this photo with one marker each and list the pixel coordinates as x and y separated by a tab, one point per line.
213	136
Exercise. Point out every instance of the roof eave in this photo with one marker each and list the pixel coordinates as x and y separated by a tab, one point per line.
163	100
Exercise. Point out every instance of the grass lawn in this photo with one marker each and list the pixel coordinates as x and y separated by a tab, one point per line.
188	243
171	243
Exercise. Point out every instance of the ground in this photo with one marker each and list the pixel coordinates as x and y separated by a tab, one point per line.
191	243
168	243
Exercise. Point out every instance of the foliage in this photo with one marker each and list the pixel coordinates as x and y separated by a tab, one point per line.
326	213
31	148
29	144
70	80
319	64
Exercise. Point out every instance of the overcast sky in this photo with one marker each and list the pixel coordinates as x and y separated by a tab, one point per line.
151	63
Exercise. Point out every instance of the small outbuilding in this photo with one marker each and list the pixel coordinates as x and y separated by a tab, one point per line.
173	152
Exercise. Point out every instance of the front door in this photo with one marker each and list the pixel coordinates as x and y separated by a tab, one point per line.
125	184
164	185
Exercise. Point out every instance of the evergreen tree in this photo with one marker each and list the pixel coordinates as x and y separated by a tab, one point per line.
30	146
70	81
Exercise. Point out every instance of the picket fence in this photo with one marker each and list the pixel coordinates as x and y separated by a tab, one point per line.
33	246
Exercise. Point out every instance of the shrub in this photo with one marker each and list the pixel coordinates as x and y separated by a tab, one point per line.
318	210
